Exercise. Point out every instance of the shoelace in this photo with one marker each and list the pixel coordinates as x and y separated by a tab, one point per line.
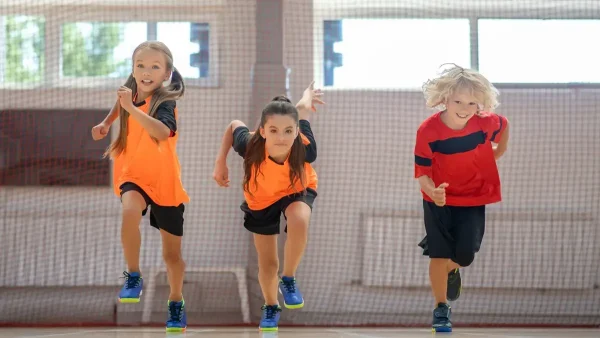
131	281
270	311
290	286
176	311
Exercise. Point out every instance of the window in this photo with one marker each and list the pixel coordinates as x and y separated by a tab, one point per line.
539	51
391	53
103	49
21	49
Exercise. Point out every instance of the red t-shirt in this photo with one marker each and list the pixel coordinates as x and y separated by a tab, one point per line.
462	158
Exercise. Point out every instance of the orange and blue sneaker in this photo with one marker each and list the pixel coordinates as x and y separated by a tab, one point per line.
270	318
177	320
441	319
292	297
132	289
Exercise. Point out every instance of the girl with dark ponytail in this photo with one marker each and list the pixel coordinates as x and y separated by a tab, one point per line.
143	151
278	178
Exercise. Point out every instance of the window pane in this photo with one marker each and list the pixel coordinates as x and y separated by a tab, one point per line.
100	49
22	50
392	53
539	51
103	49
188	43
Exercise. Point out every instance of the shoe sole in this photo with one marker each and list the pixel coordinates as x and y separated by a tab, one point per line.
268	329
441	329
457	295
130	300
452	299
176	329
292	306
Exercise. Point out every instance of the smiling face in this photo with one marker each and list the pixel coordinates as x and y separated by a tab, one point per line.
150	70
279	132
461	106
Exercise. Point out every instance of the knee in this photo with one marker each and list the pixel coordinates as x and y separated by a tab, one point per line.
297	224
130	214
172	258
268	266
464	259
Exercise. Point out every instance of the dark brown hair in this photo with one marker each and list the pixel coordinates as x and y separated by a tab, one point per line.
255	150
173	91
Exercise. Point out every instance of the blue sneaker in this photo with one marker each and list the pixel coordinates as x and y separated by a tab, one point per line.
441	319
292	297
132	289
177	321
270	318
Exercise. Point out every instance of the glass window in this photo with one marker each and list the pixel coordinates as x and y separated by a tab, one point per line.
539	51
392	53
103	49
21	49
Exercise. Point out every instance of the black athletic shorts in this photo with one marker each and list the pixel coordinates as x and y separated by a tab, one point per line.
267	221
452	231
170	219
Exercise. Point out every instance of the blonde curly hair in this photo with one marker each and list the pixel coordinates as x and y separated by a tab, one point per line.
456	79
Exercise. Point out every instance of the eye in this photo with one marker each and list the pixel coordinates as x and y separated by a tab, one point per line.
472	103
288	131
273	131
457	102
155	67
139	65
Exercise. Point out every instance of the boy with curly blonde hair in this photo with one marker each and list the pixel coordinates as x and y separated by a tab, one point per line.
455	164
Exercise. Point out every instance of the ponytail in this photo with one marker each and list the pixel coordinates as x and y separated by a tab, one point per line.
120	143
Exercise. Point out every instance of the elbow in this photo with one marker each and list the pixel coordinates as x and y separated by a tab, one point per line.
164	134
310	158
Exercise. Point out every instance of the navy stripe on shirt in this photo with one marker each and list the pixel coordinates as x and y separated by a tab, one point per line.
457	145
497	131
422	161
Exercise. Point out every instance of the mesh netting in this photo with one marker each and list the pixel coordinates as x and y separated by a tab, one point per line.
61	62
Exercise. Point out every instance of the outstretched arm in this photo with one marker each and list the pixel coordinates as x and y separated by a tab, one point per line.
101	130
306	106
112	115
229	140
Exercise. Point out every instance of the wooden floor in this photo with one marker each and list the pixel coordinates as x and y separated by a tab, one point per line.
297	333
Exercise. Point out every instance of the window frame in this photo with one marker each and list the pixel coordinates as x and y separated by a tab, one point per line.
323	12
55	19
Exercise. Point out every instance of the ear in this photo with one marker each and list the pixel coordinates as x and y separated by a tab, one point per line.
261	130
169	74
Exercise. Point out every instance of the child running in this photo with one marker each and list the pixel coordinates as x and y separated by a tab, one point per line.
455	164
278	178
146	169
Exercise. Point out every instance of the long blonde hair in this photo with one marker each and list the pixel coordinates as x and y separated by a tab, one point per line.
173	91
456	78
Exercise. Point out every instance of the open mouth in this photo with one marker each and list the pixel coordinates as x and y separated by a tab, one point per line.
462	116
147	82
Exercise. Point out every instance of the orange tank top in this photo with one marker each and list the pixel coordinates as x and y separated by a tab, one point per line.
274	182
153	167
